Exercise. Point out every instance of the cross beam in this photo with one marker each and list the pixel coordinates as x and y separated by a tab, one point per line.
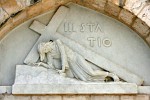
46	36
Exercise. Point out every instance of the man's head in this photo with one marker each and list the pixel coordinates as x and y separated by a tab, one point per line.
44	48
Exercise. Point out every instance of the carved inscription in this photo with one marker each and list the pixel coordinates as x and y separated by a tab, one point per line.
91	27
106	42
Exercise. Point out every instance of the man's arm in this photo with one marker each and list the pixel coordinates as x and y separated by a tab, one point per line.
65	64
50	60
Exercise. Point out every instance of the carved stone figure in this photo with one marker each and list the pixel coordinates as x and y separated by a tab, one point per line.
57	55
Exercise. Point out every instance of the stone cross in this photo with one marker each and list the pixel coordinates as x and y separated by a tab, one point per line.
49	32
46	36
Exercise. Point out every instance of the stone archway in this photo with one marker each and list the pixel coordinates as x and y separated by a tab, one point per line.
102	6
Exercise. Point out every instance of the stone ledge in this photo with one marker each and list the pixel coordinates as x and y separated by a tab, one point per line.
141	89
144	89
5	89
101	88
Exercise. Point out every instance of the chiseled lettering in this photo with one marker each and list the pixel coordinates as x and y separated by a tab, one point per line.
92	40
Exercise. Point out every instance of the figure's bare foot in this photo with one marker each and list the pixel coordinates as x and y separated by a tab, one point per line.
114	76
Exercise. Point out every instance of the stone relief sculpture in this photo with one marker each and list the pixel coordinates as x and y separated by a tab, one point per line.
69	66
49	32
56	55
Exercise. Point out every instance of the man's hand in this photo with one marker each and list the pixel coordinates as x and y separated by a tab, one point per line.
66	66
61	72
35	64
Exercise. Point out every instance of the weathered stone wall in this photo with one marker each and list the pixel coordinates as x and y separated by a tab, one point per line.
76	97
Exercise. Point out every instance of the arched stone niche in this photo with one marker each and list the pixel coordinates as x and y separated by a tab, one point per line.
96	31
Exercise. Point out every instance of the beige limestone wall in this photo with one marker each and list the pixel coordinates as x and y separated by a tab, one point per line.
76	97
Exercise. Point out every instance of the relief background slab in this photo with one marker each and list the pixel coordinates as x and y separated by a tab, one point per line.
127	48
